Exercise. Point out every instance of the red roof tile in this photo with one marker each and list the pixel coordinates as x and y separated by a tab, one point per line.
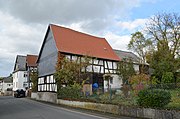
70	41
31	60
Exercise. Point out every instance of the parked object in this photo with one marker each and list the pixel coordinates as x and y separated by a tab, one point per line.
19	93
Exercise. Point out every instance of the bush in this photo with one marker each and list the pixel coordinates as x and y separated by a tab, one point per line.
70	92
139	82
121	100
93	98
167	77
153	98
105	98
167	86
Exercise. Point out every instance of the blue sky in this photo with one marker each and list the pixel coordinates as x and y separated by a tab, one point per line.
148	9
23	23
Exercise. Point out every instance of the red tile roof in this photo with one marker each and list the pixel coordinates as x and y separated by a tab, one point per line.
70	41
31	60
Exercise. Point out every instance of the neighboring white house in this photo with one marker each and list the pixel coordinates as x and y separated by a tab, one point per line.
24	66
6	84
20	73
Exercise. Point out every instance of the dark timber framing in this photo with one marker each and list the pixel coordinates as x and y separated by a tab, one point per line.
97	66
108	66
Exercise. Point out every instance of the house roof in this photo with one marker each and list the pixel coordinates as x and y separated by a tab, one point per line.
31	60
8	79
74	42
20	63
127	55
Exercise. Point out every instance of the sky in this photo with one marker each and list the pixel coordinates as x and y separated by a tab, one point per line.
23	24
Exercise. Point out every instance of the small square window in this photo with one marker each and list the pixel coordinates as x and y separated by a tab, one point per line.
25	74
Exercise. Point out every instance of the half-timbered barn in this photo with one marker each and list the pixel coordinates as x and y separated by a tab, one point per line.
74	45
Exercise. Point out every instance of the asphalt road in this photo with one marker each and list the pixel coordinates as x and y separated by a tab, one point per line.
23	108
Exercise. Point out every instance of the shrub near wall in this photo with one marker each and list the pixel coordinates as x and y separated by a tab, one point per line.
70	92
153	98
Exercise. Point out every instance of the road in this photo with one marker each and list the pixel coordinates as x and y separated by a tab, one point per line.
23	108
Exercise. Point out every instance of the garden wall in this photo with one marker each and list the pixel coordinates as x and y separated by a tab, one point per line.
7	93
92	106
124	110
45	96
114	109
33	95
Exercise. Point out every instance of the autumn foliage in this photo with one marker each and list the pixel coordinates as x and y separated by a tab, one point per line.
139	82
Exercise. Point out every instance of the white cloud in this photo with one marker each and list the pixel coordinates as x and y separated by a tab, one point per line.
66	11
23	24
95	14
17	38
76	26
16	35
118	42
132	25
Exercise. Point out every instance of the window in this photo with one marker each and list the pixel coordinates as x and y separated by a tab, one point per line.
35	69
8	84
25	84
31	69
25	74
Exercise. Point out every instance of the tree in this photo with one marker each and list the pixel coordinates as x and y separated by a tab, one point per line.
69	72
125	70
162	60
164	31
165	28
161	46
1	78
34	79
140	45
